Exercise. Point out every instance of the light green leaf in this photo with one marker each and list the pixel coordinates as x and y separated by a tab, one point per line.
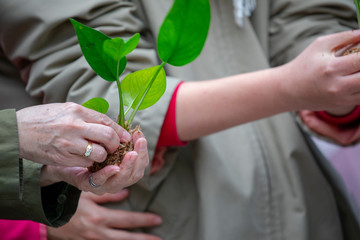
135	85
183	32
97	104
115	50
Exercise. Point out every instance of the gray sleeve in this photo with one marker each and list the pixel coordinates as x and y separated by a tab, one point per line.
295	24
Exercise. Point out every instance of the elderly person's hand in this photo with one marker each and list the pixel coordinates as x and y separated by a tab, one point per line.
110	179
67	134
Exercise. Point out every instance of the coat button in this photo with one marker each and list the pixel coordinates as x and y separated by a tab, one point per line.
61	199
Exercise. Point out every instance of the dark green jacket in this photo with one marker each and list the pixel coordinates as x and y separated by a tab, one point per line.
21	196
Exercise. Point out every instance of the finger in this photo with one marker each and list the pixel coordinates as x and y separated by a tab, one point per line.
143	157
124	235
126	168
91	116
352	87
348	64
131	220
110	197
136	135
100	177
340	40
142	160
97	152
102	134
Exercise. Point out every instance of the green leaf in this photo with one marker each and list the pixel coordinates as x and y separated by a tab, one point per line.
357	6
135	84
97	104
183	32
115	50
91	43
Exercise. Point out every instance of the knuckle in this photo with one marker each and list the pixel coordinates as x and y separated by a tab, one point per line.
97	219
73	107
320	40
109	134
102	154
69	125
90	234
137	176
328	69
63	143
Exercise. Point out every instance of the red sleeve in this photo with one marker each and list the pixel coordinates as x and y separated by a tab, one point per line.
22	229
168	135
340	120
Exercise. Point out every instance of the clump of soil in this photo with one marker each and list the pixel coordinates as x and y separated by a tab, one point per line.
352	50
116	157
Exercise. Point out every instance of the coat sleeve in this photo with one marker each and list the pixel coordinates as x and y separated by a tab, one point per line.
20	194
295	24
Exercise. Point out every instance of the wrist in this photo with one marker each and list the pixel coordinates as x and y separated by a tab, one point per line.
49	175
334	117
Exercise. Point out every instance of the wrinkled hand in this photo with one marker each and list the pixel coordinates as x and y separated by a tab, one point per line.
58	134
92	221
343	135
111	178
321	78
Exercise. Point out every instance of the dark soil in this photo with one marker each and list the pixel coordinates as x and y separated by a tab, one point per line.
352	50
116	157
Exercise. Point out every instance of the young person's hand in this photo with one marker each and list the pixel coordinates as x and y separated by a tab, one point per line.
92	221
321	77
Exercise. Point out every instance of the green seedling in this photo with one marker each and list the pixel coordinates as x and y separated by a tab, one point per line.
357	5
181	38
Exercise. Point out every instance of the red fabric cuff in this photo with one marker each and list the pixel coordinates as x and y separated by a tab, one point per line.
352	117
21	229
168	135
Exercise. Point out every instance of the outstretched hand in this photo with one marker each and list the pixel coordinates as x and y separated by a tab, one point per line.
92	221
58	134
321	77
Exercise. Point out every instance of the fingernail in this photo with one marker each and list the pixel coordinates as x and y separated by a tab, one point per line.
116	170
126	136
124	191
133	156
157	220
143	145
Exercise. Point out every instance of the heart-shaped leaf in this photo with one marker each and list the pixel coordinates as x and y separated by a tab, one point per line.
97	104
135	85
91	43
183	33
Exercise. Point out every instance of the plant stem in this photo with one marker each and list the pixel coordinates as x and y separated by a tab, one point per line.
121	117
132	115
357	4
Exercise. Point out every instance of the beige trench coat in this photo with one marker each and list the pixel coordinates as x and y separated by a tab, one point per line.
256	181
